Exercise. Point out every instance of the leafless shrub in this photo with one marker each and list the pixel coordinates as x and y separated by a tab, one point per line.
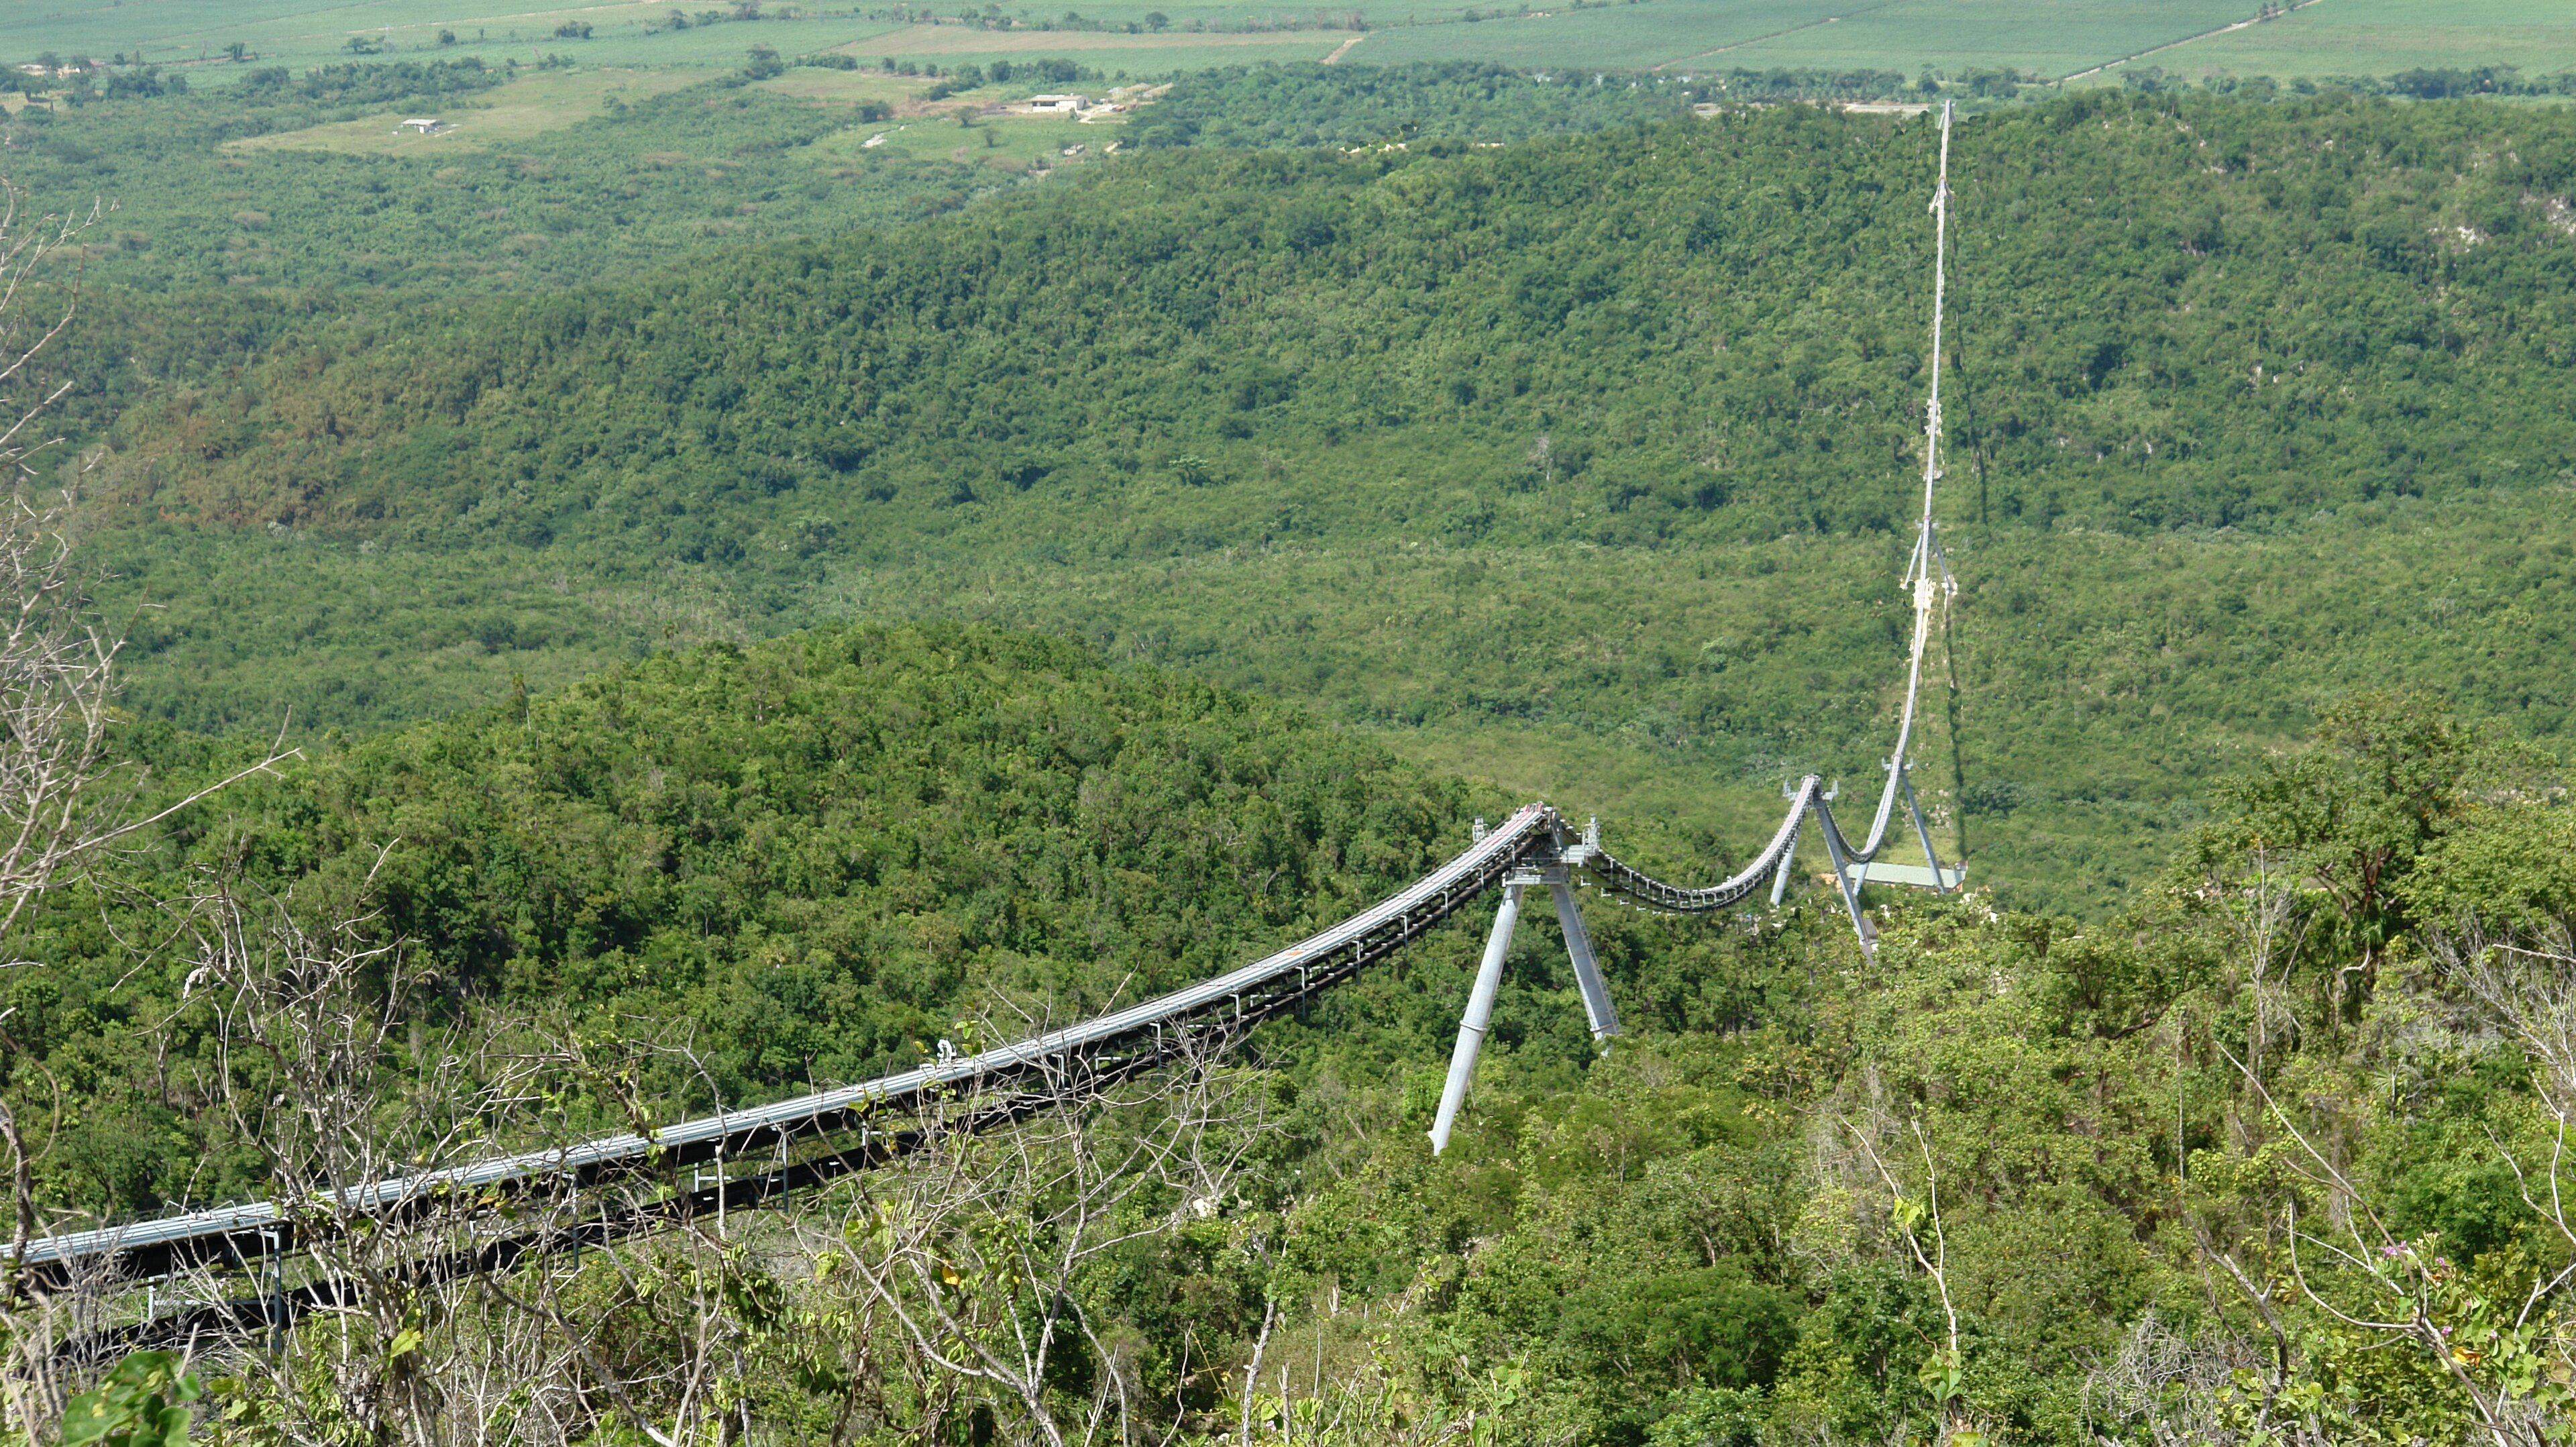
2169	1387
64	804
974	1250
954	1285
2509	1357
29	243
321	1061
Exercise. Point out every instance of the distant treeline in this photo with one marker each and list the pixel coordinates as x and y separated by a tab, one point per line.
2448	83
608	195
1319	105
348	83
1275	105
356	84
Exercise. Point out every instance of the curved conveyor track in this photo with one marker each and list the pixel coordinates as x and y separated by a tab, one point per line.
854	1127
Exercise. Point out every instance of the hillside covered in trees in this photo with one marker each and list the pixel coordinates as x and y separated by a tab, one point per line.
2011	1175
1568	461
721	673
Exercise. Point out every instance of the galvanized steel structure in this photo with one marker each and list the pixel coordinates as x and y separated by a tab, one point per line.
762	1152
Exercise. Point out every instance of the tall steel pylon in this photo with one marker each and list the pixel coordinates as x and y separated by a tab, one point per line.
1928	578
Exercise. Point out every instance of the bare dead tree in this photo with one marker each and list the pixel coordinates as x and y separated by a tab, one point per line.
975	1250
408	1308
323	1060
64	803
950	1282
1911	1216
2510	1360
2171	1387
31	245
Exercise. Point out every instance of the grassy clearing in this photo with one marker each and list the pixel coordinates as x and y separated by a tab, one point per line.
515	112
847	87
1018	144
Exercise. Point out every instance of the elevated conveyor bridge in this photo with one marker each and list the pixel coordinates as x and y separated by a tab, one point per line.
744	1158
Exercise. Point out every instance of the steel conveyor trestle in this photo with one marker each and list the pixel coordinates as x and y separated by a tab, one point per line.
855	1127
1115	1043
1016	1077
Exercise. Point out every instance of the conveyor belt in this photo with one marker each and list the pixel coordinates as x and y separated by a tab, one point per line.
856	1126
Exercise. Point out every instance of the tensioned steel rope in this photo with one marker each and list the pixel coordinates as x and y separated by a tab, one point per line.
854	1127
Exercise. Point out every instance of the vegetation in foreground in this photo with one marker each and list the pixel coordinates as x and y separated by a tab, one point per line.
2237	1161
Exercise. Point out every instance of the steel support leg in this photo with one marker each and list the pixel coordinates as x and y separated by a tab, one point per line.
1587	971
1923	832
1788	858
1850	890
1480	1013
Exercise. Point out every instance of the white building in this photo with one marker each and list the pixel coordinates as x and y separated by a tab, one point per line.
426	125
1059	104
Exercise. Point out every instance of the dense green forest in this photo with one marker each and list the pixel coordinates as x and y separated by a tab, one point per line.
1604	436
630	168
735	651
804	861
1292	106
1072	343
820	852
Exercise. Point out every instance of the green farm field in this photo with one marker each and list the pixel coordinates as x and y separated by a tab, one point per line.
537	104
1622	37
1114	53
2061	40
195	36
2379	37
2051	40
294	32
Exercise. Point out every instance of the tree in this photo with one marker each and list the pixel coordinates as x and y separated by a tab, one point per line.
2492	1335
977	1253
2391	772
66	802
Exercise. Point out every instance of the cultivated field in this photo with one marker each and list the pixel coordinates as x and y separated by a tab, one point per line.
1614	37
195	33
1014	143
1108	52
2088	40
2051	40
2057	40
2381	37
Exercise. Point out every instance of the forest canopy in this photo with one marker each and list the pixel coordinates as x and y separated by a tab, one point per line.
816	859
2231	379
1203	546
